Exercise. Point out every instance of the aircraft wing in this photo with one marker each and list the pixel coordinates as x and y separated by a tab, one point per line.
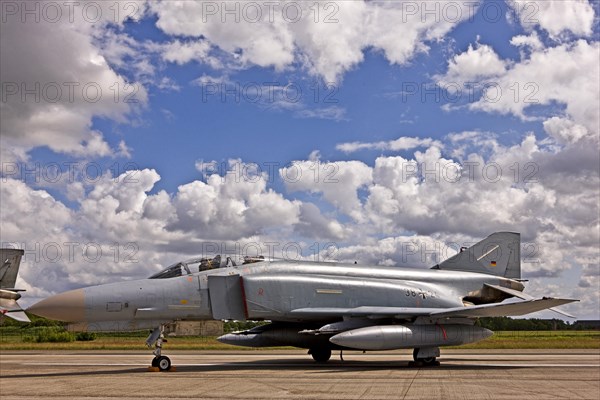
483	310
365	311
502	309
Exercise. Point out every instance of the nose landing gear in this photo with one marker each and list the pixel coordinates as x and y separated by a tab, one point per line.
157	338
162	362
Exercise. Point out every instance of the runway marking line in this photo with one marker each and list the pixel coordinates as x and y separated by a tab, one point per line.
365	364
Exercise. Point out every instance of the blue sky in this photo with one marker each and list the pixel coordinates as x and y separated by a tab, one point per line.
367	125
369	95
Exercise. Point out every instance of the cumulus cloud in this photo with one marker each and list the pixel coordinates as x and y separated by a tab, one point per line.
514	187
325	38
467	188
314	225
121	231
222	208
473	65
567	75
338	182
531	41
181	53
565	130
415	251
53	87
397	210
556	17
420	206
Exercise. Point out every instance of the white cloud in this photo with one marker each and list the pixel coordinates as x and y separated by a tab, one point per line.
419	194
566	75
531	41
28	213
557	17
521	187
334	113
338	182
473	65
233	206
402	143
392	198
403	251
327	43
263	44
314	225
181	53
211	80
566	131
56	82
428	22
121	218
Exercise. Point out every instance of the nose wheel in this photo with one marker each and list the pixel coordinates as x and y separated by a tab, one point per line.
156	339
163	363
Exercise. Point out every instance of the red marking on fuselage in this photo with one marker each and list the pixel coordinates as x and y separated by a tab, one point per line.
443	332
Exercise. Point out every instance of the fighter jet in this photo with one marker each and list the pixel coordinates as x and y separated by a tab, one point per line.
316	305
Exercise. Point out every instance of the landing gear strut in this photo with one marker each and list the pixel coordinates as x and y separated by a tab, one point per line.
425	357
157	338
320	354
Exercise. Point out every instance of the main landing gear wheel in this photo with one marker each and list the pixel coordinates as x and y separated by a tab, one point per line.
426	362
320	355
163	363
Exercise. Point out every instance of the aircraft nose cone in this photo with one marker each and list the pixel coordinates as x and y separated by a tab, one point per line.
68	306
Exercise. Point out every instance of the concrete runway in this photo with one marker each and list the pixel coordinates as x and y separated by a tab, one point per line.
464	374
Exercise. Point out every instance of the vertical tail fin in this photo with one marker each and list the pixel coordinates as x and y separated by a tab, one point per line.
10	259
498	254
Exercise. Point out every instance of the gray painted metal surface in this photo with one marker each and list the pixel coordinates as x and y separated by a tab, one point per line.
321	306
10	260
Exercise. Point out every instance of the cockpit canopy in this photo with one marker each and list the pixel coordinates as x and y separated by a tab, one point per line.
178	269
201	264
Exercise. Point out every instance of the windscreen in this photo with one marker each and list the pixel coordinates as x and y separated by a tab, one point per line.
173	271
201	264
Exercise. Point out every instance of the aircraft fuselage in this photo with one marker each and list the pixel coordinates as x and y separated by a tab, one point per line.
276	291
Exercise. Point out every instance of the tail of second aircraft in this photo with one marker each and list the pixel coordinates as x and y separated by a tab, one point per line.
10	260
498	254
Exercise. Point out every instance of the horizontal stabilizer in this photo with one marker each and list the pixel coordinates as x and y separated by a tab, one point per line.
18	316
502	309
524	296
12	309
